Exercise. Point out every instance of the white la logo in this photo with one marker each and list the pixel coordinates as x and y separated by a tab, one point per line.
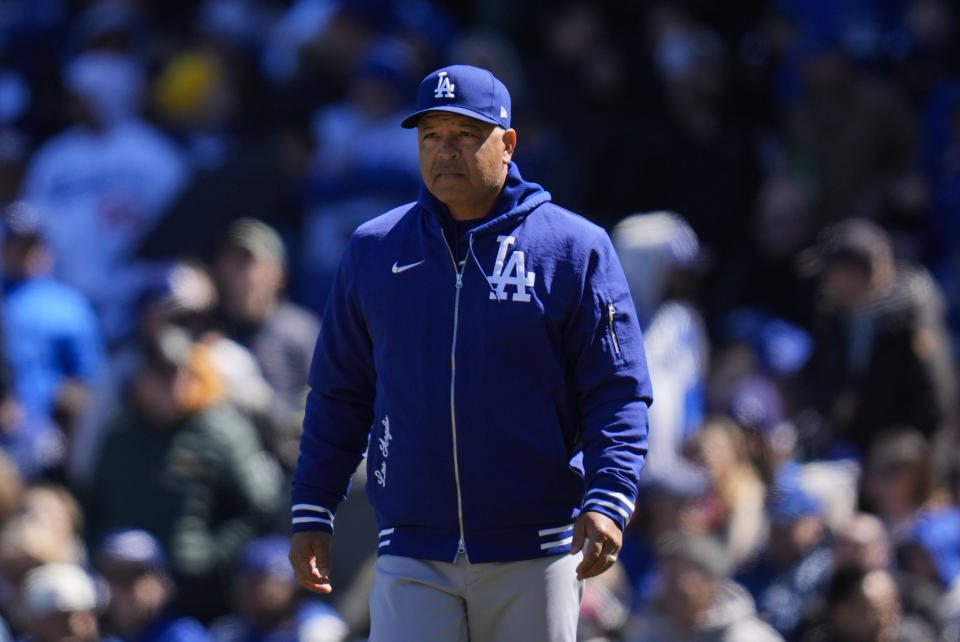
521	279
444	87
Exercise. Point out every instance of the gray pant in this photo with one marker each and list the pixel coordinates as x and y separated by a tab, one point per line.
534	600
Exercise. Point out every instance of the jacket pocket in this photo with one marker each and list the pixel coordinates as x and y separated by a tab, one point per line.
610	316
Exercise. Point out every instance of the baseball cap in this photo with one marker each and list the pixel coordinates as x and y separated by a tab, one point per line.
266	555
257	237
463	89
134	546
789	501
58	588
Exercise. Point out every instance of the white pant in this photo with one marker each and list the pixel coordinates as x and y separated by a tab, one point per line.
534	600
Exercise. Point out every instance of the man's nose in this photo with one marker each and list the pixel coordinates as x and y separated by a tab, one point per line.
448	147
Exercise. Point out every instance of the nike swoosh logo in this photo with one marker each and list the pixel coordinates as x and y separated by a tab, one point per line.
397	269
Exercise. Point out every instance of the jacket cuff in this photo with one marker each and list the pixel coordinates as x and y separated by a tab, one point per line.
312	517
312	509
615	504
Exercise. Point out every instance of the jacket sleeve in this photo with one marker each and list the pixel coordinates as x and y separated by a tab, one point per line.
613	389
339	409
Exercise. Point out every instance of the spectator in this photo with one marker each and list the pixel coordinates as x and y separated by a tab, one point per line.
879	340
671	499
662	260
268	603
898	480
797	562
214	487
696	600
250	271
182	295
864	606
52	337
720	447
120	173
60	605
347	185
863	543
135	568
26	542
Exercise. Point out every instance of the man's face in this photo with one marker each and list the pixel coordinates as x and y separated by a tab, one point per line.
463	160
249	284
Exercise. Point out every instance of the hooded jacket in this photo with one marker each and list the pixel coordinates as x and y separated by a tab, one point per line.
495	397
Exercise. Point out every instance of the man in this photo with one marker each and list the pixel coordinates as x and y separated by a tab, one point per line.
134	566
267	603
881	356
51	341
250	271
696	601
60	605
487	336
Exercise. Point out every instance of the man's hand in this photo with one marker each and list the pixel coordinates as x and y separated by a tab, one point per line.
600	539
310	557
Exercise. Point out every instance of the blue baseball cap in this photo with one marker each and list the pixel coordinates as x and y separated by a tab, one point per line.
135	546
266	555
463	89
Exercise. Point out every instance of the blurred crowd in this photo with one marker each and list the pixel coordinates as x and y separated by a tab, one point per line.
781	179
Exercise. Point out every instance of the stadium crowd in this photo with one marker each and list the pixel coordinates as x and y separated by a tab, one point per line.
781	179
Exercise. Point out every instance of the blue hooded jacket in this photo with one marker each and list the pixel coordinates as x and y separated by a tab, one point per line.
496	398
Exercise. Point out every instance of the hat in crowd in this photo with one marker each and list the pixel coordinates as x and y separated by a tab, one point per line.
58	588
256	237
854	241
938	533
783	348
133	546
267	555
679	478
755	403
21	220
179	289
704	551
789	501
463	89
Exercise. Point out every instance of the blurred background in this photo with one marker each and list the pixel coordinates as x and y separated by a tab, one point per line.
781	179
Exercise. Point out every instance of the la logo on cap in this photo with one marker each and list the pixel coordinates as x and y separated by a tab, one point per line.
444	87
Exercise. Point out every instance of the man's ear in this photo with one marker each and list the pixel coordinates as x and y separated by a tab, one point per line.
509	143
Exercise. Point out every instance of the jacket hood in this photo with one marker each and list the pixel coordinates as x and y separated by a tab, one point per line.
517	199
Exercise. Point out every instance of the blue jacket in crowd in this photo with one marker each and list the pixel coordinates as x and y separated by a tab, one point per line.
476	385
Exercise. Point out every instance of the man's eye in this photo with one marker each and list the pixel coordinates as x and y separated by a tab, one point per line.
467	135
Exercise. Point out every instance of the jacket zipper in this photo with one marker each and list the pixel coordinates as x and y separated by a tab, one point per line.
611	312
461	547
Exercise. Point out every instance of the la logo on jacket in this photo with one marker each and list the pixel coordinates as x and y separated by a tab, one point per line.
513	273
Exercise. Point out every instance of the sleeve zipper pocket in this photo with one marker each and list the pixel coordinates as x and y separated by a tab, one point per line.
611	314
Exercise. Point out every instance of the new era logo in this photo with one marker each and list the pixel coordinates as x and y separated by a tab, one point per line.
503	111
